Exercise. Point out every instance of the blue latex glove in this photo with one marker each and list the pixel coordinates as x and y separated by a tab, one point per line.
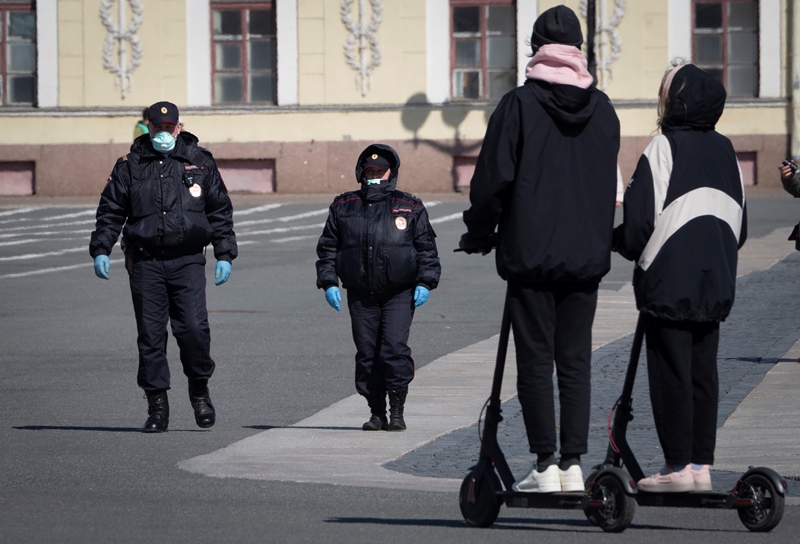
101	266
222	273
421	295
334	297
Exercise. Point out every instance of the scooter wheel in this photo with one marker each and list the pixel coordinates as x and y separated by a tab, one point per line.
478	499
618	508
768	509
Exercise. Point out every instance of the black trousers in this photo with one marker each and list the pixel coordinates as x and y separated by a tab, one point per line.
684	388
553	322
381	326
171	290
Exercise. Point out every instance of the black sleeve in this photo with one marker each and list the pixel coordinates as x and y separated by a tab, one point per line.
631	237
112	211
428	267
495	170
219	212
327	248
743	231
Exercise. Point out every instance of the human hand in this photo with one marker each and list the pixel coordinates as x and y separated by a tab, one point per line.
101	266
222	272
421	295
334	297
788	168
469	244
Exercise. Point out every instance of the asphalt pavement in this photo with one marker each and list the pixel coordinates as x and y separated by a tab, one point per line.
287	461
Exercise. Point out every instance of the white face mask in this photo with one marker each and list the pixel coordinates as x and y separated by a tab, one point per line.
374	181
163	142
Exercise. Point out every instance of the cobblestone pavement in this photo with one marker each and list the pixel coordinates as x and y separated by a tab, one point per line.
761	328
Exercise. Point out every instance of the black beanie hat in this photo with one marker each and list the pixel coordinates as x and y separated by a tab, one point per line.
557	25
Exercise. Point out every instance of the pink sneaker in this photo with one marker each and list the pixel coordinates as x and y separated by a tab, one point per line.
702	478
669	481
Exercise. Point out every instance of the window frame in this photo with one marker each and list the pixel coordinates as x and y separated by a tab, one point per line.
5	9
483	90
245	71
725	34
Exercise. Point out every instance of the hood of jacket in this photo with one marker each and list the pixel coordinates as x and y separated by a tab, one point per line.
394	164
566	104
696	100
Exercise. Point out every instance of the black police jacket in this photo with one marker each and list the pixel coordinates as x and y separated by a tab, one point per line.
378	240
165	206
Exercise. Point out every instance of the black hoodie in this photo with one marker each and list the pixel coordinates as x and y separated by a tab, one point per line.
685	215
547	175
378	240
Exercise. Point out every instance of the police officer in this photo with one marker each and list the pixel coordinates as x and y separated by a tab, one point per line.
379	241
167	198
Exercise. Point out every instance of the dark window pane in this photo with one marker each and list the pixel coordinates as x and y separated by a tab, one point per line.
22	57
466	84
501	52
227	23
743	48
227	88
261	22
21	89
500	83
467	19
708	48
743	16
22	24
742	80
501	19
228	56
262	55
262	88
468	53
708	15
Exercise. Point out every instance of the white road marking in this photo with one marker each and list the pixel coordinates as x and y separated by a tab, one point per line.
46	254
266	207
17	211
446	218
87	265
281	219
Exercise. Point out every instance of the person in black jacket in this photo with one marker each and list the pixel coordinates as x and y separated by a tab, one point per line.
379	241
684	221
546	177
167	198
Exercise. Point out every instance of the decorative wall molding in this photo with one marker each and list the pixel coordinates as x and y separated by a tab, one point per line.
118	35
362	40
608	42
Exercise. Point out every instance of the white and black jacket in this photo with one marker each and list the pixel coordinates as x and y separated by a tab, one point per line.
685	214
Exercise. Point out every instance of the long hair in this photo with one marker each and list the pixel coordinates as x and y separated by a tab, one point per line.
663	90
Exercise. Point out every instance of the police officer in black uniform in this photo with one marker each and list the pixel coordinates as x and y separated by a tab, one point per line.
379	241
167	198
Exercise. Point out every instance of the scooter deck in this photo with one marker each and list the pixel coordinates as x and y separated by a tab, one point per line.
565	501
693	499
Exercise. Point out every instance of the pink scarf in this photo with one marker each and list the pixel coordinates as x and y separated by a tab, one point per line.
559	64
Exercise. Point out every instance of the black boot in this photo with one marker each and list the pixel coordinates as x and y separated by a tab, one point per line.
204	413
377	406
397	400
158	410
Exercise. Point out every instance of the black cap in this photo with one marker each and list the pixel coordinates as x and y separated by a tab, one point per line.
375	160
557	25
163	111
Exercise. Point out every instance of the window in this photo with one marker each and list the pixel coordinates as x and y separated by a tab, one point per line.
483	49
243	53
17	56
725	43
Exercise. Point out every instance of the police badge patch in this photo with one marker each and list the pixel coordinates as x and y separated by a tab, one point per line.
400	223
195	190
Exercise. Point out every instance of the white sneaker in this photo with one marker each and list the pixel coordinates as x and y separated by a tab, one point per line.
571	479
548	481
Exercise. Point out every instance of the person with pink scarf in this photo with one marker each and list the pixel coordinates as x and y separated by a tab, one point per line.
546	179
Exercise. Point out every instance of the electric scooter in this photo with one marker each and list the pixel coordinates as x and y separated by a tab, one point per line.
488	485
758	496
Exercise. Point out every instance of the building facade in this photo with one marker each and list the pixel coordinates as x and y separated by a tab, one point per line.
286	93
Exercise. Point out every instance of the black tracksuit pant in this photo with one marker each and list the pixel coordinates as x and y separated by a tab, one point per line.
684	388
553	322
171	290
381	326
